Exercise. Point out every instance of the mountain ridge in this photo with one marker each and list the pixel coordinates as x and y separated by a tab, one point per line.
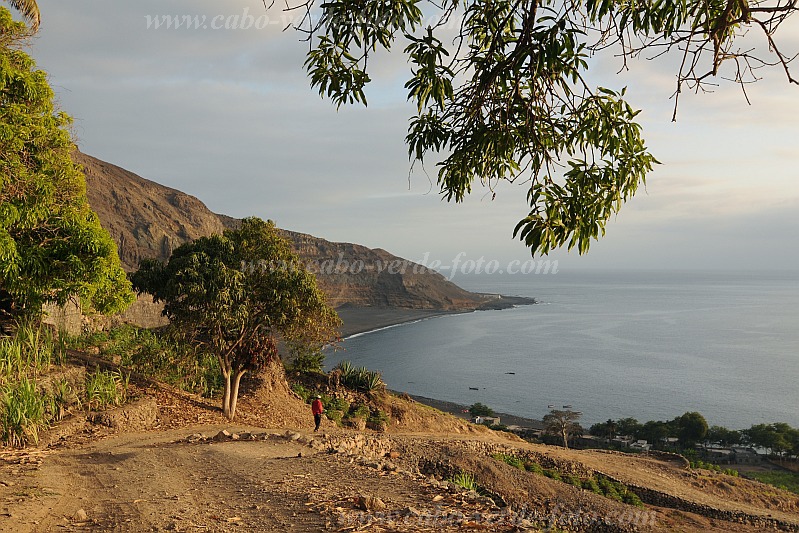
149	220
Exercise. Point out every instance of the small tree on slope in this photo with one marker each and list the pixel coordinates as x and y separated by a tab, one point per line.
238	295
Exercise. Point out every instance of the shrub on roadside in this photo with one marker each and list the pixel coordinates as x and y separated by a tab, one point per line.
22	413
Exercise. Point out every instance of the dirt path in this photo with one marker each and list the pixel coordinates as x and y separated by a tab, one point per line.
154	482
162	481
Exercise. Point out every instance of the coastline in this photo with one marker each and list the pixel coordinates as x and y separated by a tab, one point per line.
358	320
458	410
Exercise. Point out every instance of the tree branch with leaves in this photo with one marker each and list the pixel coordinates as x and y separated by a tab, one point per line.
507	98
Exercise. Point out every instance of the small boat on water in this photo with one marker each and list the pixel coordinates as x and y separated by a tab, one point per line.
473	388
567	406
550	406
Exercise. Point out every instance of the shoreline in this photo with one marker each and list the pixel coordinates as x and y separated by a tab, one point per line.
457	409
360	320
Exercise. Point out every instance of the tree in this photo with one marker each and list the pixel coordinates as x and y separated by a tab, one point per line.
691	428
238	295
479	409
653	431
628	427
563	424
52	247
29	10
723	436
509	98
604	429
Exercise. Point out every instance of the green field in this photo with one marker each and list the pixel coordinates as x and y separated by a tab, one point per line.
783	480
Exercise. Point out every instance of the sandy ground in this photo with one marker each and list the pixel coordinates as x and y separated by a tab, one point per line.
159	481
362	319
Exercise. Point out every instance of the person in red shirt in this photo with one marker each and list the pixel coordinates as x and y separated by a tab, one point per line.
317	409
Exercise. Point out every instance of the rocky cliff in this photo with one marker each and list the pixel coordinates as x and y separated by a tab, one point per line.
149	220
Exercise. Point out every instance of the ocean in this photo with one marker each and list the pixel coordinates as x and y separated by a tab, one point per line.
611	344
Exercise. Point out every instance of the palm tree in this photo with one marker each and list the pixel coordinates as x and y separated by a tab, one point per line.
29	10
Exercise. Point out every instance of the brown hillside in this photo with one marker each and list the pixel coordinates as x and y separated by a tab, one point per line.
149	220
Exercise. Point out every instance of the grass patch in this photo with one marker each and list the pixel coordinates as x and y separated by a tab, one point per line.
22	413
465	480
158	355
106	389
782	480
597	483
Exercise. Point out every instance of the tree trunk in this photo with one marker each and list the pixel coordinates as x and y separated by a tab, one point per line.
226	397
565	434
234	393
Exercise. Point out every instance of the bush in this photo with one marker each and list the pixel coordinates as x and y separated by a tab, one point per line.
378	420
552	474
334	415
300	390
158	354
535	468
336	404
360	379
359	411
305	360
591	485
30	352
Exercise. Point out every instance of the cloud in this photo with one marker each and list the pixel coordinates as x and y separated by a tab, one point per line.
228	116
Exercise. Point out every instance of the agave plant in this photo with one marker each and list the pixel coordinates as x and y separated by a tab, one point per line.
374	382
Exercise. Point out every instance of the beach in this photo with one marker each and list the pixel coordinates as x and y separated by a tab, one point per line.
357	320
462	411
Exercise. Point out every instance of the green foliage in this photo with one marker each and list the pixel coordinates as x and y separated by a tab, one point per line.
478	409
336	404
360	379
782	480
512	460
52	247
779	438
376	416
106	388
591	485
598	484
64	396
508	97
22	413
306	359
691	428
29	353
552	474
358	411
300	390
466	481
335	415
235	294
156	354
723	436
534	468
563	424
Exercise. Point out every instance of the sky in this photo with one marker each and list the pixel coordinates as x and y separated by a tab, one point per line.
228	116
